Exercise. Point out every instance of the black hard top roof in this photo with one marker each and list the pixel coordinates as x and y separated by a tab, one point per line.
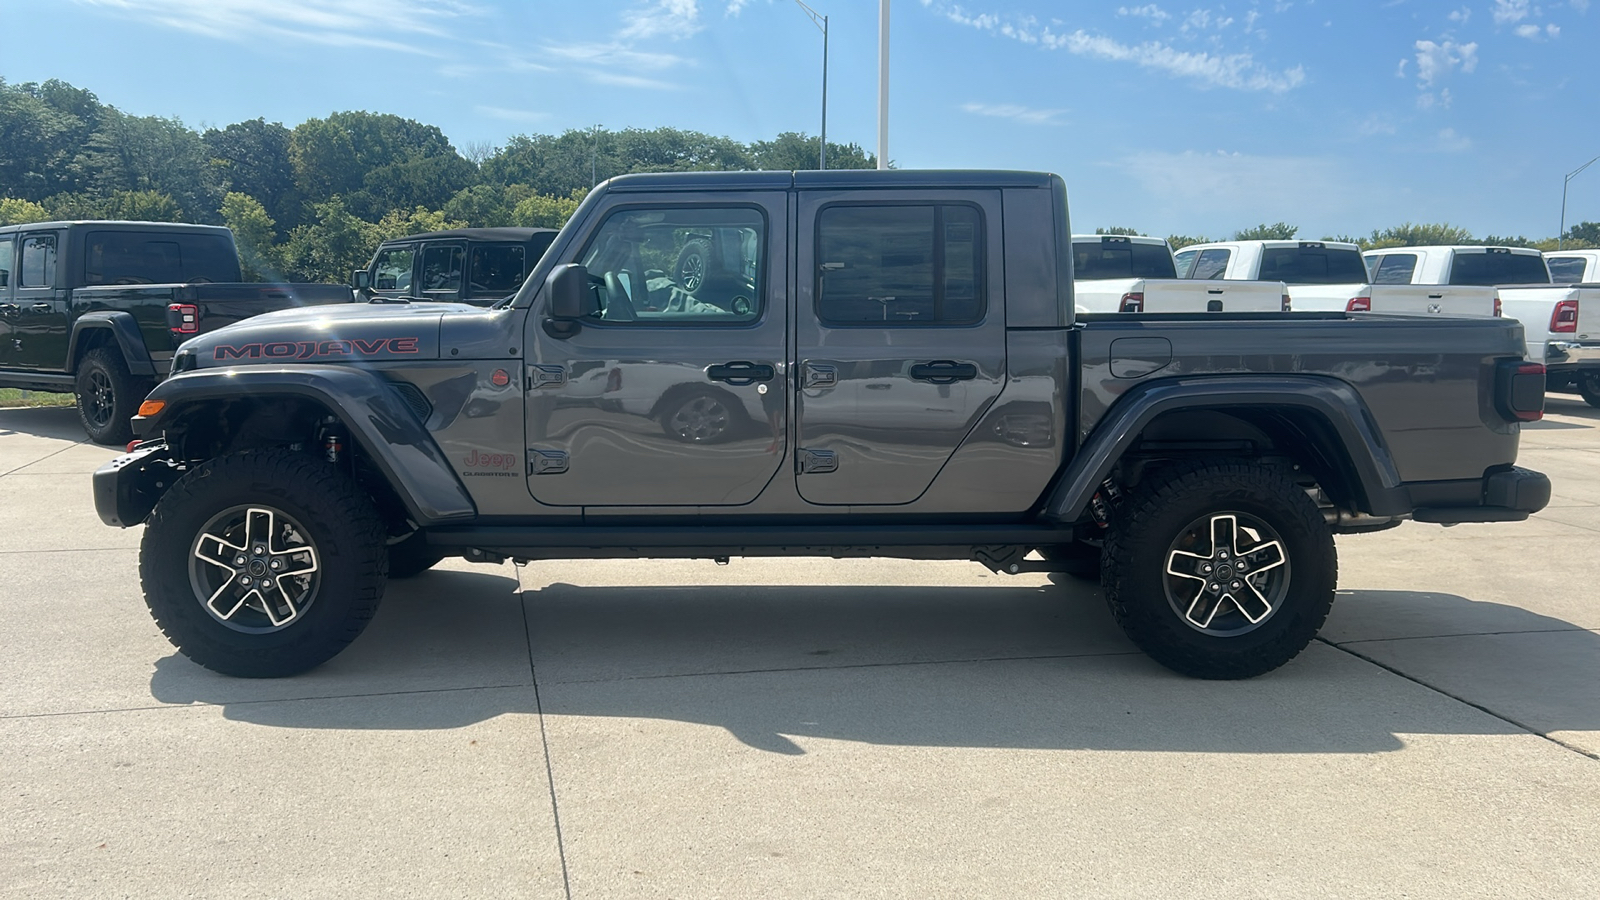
476	234
831	178
118	225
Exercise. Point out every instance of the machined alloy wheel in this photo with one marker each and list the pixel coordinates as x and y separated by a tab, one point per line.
254	569
692	263
1227	573
700	419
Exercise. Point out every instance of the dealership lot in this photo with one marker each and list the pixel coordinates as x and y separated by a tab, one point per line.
806	728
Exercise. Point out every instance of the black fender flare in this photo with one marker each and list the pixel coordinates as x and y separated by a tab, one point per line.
124	330
1335	402
376	418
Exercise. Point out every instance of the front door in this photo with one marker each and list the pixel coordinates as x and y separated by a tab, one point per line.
899	350
39	340
9	311
671	392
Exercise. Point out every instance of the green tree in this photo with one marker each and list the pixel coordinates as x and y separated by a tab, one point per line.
330	246
253	232
143	206
149	153
1581	236
377	162
487	205
1179	241
399	223
1279	231
1118	229
253	158
20	212
797	151
1413	235
545	211
43	129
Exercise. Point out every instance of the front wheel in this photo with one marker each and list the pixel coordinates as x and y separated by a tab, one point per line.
1589	387
263	563
1220	570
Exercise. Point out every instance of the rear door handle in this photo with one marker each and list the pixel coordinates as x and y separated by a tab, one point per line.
740	372
944	371
10	309
42	308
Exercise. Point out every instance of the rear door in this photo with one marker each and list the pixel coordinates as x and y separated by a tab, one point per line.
671	392
899	338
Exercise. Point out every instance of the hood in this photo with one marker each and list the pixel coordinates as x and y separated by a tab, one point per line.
313	334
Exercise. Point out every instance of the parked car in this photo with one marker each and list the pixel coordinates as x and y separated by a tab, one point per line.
1133	274
469	265
1199	465
98	308
1562	318
1453	280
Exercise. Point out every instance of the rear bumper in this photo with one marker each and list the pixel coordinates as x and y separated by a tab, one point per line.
1510	494
1567	355
126	489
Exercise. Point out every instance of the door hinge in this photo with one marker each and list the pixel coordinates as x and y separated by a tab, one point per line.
547	462
820	376
546	376
816	462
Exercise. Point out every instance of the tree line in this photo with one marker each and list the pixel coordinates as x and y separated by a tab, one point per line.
312	202
1584	235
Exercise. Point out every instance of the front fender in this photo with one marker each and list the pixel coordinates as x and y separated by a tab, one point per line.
124	330
1333	401
373	413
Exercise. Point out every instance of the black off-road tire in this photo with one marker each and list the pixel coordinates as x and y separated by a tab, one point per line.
1588	384
412	556
338	519
108	396
1143	537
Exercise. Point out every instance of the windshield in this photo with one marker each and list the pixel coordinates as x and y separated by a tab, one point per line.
1125	259
127	257
1498	266
1312	265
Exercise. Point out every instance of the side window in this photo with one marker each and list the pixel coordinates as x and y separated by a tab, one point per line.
1395	268
1211	264
392	271
1185	262
497	269
1566	269
686	266
910	265
7	247
441	268
38	260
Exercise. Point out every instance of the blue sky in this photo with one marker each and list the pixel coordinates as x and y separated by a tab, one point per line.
1188	117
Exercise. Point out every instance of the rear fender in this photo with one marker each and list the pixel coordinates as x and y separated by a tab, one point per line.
1328	401
373	414
124	332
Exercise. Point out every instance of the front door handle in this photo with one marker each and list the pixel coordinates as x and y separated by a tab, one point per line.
10	309
944	371
42	308
740	372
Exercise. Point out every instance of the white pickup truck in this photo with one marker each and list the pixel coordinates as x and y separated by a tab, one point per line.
1459	280
1122	273
1561	320
1328	276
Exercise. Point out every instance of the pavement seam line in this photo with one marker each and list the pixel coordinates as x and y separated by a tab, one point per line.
876	665
43	458
1477	706
1429	637
208	704
544	741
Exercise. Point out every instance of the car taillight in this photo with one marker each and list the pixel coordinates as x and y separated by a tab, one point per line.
1519	389
1287	305
1564	318
1359	304
183	318
1499	311
1132	302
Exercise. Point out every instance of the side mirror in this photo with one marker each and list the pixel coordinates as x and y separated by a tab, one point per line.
568	290
361	279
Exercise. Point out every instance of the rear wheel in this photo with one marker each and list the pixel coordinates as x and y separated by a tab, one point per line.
108	396
263	563
1589	386
1220	570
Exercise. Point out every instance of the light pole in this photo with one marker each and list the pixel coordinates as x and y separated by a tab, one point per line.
883	84
821	22
1561	236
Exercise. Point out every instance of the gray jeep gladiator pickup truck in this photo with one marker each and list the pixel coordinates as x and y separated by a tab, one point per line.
860	364
98	307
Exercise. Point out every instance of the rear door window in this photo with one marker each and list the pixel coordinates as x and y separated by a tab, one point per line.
910	265
1121	259
38	263
1566	269
1312	264
496	269
441	269
1498	266
1394	268
127	257
8	246
1211	265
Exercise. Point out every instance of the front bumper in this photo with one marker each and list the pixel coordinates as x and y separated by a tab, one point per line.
1568	355
126	489
1509	494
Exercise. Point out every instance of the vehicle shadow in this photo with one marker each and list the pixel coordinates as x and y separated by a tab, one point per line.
59	422
1568	405
1017	667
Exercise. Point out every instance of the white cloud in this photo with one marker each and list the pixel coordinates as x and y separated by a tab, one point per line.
1236	70
1451	142
1554	31
1580	5
1461	15
1022	114
1437	61
1246	187
511	115
1202	19
1506	11
670	19
735	7
1529	31
1150	11
379	24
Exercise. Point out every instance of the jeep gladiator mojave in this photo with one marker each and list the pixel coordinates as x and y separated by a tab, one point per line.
98	307
874	364
1132	274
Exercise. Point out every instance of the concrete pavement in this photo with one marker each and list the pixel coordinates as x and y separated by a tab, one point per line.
806	728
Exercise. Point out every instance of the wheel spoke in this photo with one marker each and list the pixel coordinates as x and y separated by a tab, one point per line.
238	602
1250	603
271	608
1264	556
217	551
1224	535
1203	608
259	530
298	561
1186	565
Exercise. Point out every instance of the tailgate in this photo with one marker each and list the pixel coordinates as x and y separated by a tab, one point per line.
1188	295
1433	299
1324	297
